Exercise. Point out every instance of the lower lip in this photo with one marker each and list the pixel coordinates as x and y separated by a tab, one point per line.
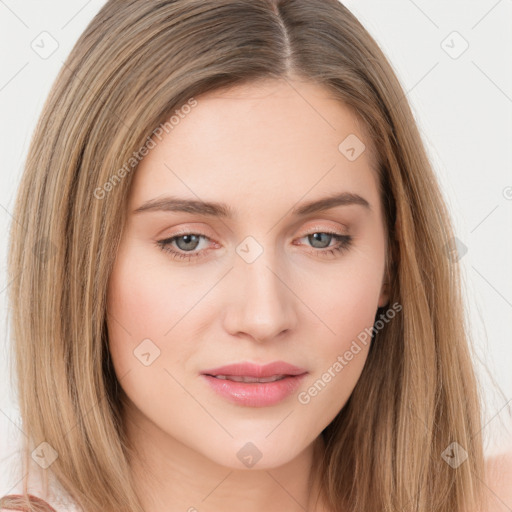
253	394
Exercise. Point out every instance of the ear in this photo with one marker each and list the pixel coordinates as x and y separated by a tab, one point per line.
385	290
384	294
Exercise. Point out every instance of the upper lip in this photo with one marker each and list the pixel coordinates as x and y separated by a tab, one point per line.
246	369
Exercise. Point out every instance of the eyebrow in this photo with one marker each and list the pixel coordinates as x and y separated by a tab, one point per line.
215	209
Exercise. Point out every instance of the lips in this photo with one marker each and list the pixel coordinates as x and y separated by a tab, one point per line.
251	385
277	369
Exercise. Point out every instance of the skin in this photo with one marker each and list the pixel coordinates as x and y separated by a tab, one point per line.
263	149
498	488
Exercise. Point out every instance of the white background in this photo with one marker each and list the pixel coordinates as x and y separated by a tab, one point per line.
463	107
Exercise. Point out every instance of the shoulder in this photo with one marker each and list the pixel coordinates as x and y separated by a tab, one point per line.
498	482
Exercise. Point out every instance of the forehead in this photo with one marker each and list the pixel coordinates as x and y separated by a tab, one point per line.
271	140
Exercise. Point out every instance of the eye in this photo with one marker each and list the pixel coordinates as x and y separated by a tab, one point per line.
322	239
184	246
186	243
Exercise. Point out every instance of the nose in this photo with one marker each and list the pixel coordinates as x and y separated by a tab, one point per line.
261	303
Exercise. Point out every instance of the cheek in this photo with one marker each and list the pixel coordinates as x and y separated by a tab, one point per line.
345	299
346	307
143	300
140	311
339	355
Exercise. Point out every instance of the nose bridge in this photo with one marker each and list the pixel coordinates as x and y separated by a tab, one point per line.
262	305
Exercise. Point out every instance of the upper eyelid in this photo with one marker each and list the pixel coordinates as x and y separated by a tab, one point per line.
197	233
311	229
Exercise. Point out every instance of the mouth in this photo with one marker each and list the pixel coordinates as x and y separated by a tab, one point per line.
251	385
238	378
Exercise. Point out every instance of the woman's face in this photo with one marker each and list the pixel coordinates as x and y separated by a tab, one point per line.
266	273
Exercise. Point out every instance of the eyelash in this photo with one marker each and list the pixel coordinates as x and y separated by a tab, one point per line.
344	242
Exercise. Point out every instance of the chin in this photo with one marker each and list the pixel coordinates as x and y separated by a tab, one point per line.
253	455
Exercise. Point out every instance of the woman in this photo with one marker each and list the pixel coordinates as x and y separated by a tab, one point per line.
245	295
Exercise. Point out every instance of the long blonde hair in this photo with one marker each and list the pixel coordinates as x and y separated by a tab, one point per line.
136	63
